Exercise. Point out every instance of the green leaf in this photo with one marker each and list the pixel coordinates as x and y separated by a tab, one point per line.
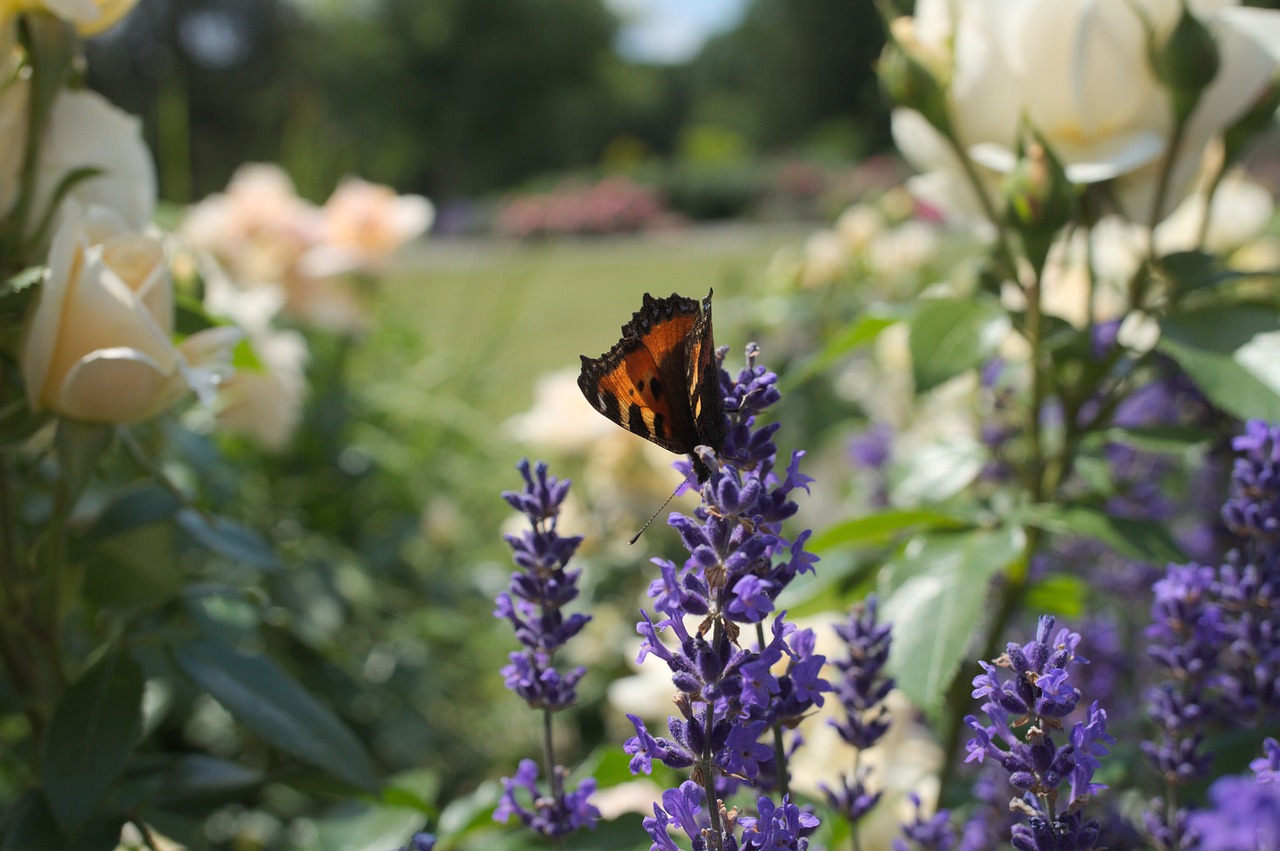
937	471
881	528
26	824
228	539
1165	439
23	281
201	778
862	331
1142	540
951	335
133	507
1233	355
91	737
79	446
1188	271
265	699
1058	594
939	598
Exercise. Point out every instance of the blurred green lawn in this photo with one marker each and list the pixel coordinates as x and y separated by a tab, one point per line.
490	316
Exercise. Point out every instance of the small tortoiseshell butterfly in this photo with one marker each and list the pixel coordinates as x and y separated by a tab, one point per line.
661	380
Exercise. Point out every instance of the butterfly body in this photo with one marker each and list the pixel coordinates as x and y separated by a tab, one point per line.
661	380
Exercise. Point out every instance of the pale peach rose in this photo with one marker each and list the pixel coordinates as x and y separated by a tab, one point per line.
1078	70
86	131
97	346
89	16
362	224
257	229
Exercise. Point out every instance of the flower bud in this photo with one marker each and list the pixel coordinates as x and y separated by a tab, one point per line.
909	81
1186	62
1039	198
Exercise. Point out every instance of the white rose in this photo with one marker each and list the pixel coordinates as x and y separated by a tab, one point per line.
97	346
1079	71
85	130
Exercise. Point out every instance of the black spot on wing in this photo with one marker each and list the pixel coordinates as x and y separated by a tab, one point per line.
635	421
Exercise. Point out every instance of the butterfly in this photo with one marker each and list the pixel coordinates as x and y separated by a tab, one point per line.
661	380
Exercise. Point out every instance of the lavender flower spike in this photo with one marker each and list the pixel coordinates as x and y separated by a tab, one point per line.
1038	695
532	604
737	699
861	690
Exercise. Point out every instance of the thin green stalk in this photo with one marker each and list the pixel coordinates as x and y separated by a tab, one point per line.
855	842
705	767
553	776
1138	283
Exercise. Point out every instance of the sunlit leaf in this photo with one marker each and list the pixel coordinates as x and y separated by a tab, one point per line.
939	585
1233	355
952	335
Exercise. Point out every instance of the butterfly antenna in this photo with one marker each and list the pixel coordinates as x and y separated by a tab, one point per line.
637	535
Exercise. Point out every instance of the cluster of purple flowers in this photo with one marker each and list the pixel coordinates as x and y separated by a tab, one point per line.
1215	635
861	689
534	604
1037	694
730	697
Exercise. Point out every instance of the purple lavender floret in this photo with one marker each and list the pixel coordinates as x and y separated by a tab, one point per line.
1253	508
1266	768
547	815
932	833
420	841
1244	815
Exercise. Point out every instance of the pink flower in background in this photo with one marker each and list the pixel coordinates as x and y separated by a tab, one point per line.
258	228
362	224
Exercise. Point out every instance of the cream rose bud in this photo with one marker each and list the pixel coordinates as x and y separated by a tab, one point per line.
97	347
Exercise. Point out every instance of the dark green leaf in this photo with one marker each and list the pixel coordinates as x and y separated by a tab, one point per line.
881	528
1168	439
26	825
266	700
951	335
940	585
1142	540
228	539
136	506
197	777
1187	271
91	737
1233	355
79	446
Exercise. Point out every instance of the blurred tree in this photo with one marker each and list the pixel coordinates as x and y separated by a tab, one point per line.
458	96
209	79
796	73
